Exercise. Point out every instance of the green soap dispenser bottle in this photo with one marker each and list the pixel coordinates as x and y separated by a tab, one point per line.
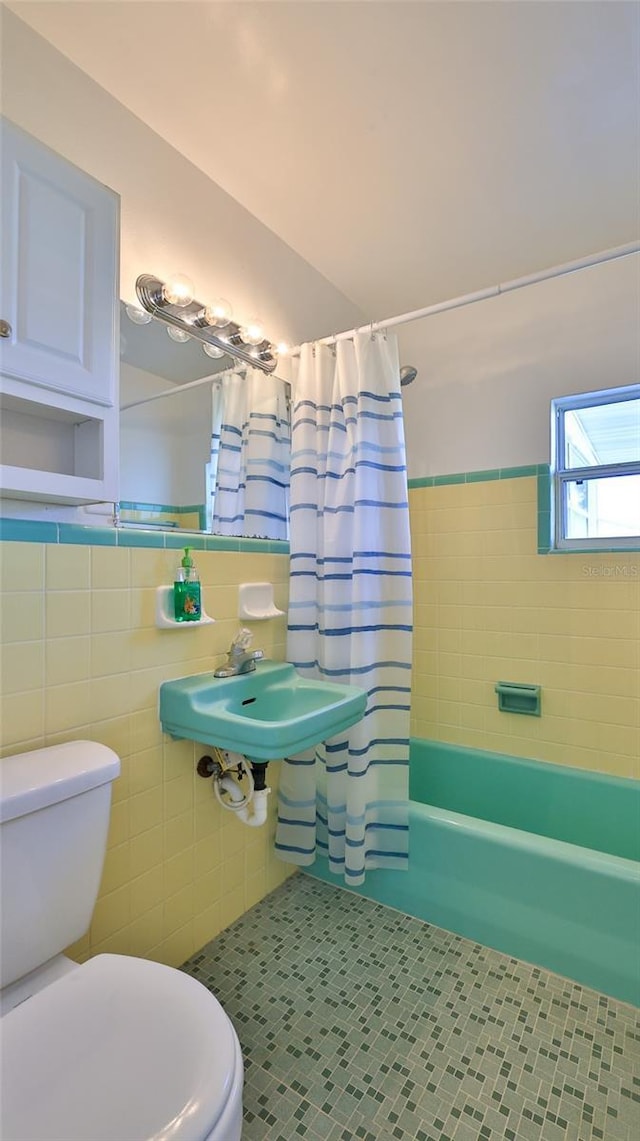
186	591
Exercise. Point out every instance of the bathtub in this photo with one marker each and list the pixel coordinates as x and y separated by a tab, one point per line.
537	860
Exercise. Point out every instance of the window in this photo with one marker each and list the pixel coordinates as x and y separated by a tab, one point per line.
596	469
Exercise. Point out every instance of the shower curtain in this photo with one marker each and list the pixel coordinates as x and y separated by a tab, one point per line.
350	610
250	446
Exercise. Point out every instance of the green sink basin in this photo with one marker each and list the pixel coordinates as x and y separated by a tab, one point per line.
266	715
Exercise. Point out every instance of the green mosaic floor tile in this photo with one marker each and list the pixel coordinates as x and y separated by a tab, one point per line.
359	1023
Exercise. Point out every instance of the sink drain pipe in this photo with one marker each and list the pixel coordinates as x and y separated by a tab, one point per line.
226	770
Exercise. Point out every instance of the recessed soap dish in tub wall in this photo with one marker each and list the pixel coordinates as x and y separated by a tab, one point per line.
516	697
165	613
255	601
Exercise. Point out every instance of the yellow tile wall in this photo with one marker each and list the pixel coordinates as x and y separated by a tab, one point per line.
82	658
488	608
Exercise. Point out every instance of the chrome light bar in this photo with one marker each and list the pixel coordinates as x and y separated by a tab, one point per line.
228	338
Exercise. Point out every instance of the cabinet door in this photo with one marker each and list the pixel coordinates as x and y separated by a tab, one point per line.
59	292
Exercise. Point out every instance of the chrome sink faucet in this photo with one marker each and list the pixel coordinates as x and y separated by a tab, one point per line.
240	659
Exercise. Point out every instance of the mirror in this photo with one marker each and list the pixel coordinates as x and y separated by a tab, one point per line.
211	457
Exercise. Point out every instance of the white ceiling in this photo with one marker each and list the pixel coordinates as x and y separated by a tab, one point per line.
410	151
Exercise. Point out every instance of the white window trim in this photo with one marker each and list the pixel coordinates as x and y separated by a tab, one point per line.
560	475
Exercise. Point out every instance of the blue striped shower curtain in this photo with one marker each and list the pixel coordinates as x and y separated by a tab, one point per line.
250	455
350	609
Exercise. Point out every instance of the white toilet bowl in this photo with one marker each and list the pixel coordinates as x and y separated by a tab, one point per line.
120	1049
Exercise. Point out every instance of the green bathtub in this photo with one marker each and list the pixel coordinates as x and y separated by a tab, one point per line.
537	860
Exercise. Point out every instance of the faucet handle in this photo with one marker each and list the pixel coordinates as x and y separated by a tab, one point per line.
242	640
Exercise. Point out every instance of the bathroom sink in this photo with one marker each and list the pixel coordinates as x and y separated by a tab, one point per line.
267	714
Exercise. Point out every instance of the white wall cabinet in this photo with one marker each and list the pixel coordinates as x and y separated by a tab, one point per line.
59	304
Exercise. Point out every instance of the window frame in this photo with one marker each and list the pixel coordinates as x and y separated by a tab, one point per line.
561	475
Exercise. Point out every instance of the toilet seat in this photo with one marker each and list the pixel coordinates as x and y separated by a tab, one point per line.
120	1049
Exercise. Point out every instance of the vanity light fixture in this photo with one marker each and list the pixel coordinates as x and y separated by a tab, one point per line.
173	302
178	290
178	335
252	333
138	316
218	313
214	352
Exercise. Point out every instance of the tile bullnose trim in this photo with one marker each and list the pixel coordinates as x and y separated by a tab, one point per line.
484	476
89	536
80	534
28	531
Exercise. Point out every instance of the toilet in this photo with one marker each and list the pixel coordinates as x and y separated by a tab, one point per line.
119	1048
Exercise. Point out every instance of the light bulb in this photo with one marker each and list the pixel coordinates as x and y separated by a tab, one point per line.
253	332
178	290
281	349
178	335
138	316
214	351
218	313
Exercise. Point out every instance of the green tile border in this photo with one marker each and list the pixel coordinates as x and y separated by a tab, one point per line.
28	531
179	540
222	543
545	506
89	536
444	480
43	531
544	512
160	508
478	476
141	538
483	476
521	472
198	509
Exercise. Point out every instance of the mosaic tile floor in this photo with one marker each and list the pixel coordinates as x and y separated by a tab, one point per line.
358	1023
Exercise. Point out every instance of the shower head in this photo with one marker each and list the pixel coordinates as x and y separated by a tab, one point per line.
407	374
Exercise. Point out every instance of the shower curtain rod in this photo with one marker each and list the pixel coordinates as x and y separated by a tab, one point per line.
483	294
416	314
180	388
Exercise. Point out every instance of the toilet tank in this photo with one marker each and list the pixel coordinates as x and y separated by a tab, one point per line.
54	817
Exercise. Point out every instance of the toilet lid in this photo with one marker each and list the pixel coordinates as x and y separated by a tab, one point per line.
120	1049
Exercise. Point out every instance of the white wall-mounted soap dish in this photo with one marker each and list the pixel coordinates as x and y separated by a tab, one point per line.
165	613
255	601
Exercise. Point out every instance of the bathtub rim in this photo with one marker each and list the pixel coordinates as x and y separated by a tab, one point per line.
532	842
558	791
570	772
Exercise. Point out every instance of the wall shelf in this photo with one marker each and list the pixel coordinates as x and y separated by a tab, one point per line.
255	601
164	612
